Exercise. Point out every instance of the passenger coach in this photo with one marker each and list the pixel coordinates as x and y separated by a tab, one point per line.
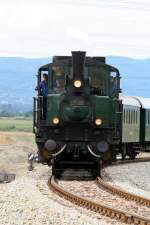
144	121
135	125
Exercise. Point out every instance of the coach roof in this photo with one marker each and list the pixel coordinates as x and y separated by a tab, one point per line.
129	100
144	102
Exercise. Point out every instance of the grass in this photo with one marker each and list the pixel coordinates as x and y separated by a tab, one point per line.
16	124
18	138
5	139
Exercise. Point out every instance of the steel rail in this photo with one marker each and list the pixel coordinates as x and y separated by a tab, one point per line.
137	160
122	193
119	191
108	211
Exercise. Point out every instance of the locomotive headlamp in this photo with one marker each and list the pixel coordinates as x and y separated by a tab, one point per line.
55	120
98	122
77	83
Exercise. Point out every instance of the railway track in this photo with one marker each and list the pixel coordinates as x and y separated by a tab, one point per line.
127	195
122	193
127	161
123	216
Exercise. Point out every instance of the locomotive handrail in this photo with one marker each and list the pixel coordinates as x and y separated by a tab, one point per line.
60	151
38	109
92	153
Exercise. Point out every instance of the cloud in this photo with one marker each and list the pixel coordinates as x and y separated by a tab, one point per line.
41	28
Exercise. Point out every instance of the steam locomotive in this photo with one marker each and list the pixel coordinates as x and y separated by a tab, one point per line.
84	119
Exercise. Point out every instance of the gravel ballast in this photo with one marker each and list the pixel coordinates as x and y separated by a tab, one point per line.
133	177
28	201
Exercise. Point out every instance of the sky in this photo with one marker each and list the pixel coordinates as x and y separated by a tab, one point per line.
42	28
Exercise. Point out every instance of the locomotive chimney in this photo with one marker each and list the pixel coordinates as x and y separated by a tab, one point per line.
78	61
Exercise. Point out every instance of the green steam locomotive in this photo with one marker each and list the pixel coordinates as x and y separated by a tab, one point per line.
79	124
82	123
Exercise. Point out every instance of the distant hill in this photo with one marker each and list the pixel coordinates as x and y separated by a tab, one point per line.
135	75
17	79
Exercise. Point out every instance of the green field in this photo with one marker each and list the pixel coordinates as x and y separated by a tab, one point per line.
16	124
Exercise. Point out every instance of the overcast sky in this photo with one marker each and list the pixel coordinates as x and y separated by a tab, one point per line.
42	28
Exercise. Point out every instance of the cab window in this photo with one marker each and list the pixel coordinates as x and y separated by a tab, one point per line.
58	78
98	79
113	83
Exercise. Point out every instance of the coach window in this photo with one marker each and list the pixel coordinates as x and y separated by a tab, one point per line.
134	117
127	116
124	115
125	119
137	117
130	116
146	118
